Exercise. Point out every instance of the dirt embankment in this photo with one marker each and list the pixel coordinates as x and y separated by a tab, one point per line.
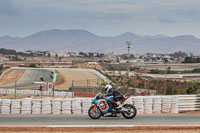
79	78
9	78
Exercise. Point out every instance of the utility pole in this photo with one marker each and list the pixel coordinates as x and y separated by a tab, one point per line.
73	89
49	55
166	72
15	89
128	66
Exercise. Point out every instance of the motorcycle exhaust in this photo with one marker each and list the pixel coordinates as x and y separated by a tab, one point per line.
124	110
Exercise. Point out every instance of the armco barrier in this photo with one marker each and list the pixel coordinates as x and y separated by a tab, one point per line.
4	72
189	102
144	105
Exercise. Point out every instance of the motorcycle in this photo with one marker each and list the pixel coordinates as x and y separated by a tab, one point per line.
105	106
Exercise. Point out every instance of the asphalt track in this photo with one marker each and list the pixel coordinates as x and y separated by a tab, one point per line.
84	120
31	76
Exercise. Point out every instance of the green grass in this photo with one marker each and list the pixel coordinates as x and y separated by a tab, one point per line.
57	77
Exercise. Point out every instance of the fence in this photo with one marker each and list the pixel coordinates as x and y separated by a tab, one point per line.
73	91
79	88
144	105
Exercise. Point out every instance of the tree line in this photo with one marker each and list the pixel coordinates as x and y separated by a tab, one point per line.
191	60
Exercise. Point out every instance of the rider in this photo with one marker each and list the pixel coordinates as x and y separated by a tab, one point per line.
115	93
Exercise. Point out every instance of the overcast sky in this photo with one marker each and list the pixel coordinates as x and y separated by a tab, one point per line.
101	17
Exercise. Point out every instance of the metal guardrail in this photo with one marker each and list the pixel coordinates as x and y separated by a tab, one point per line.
189	103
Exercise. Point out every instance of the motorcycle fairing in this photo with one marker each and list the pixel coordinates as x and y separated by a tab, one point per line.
101	104
111	98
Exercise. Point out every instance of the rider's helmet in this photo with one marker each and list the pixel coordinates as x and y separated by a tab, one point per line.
108	88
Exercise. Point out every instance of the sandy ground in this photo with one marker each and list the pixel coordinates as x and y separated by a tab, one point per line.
190	112
10	77
80	79
157	129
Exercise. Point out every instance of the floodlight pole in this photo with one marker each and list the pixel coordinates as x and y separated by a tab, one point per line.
128	62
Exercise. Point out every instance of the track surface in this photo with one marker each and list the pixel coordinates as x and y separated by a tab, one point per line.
34	75
164	119
30	76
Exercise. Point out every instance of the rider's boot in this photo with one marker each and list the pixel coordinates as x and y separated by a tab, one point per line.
119	105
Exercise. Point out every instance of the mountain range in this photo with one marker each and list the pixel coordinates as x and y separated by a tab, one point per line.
82	40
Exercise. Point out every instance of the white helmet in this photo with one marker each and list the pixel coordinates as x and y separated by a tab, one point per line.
107	88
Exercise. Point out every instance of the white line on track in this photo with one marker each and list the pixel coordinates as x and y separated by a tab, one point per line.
90	126
123	126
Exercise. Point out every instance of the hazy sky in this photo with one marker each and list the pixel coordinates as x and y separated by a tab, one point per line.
102	17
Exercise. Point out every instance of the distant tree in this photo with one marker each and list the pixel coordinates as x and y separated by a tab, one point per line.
193	89
179	54
49	55
188	60
110	68
131	56
197	70
124	56
60	59
7	51
32	65
191	60
107	61
155	71
57	58
172	72
91	54
101	55
198	60
81	53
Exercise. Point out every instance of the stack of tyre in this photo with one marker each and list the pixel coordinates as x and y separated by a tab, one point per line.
36	106
66	106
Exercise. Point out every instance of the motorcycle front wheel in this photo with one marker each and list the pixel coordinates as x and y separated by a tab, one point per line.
131	114
94	113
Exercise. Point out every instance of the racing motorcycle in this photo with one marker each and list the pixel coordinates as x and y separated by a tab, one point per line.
106	106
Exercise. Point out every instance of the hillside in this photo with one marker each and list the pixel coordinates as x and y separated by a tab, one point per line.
81	40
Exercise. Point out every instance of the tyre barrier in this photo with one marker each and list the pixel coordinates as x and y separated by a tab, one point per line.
144	105
38	92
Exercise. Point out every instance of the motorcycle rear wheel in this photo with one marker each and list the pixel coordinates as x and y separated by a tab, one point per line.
94	114
129	115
